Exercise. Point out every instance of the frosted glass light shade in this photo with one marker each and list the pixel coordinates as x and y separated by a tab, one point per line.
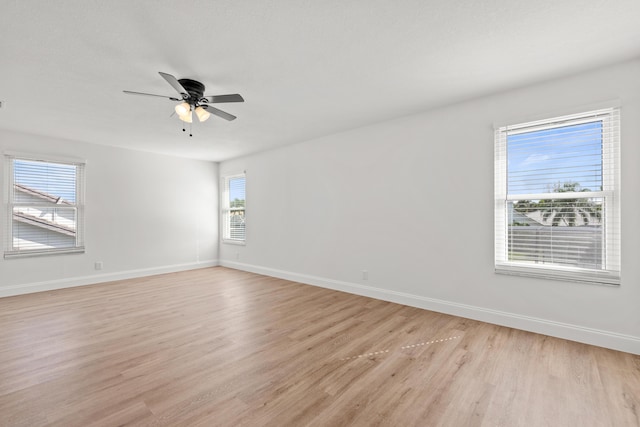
183	109
202	114
186	118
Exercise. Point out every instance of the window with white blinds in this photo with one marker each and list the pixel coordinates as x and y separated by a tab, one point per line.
557	198
233	208
45	207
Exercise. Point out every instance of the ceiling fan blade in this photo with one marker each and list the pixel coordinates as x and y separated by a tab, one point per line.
219	113
175	83
128	92
236	97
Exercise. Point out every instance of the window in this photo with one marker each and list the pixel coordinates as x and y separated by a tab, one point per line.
557	198
45	207
233	208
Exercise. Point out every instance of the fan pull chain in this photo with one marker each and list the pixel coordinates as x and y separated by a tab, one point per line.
190	128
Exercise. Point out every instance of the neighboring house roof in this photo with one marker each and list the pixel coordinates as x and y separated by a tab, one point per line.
522	218
43	223
41	194
535	218
38	220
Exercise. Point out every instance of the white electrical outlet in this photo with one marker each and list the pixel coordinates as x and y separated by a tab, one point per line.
98	265
365	275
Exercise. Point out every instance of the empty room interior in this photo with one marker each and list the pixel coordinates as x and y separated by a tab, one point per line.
296	213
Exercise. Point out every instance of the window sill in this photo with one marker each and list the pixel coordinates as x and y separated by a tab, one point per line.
234	242
569	274
37	253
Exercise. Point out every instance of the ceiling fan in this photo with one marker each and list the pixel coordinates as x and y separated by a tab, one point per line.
193	99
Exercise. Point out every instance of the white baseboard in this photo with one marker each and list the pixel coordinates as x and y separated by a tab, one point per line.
612	340
49	285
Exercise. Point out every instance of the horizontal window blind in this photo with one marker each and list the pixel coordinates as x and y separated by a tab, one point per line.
557	198
234	208
45	207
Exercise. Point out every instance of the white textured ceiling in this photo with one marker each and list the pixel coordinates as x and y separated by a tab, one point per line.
305	68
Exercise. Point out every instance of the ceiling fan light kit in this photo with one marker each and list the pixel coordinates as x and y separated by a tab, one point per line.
187	118
183	109
202	114
192	99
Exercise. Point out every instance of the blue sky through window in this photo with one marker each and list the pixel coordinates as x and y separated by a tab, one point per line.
540	160
237	188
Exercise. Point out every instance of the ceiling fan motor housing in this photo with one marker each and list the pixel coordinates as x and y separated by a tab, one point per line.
194	88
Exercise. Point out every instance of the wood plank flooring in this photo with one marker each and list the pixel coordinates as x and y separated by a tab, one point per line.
220	347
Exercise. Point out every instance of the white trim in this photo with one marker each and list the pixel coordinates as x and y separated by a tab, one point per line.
225	209
597	337
43	252
594	106
234	242
79	204
49	285
560	196
556	272
40	157
556	122
610	193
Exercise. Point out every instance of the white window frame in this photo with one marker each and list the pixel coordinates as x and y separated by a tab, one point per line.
610	274
226	210
79	206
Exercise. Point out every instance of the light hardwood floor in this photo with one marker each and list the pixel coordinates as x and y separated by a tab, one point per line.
220	347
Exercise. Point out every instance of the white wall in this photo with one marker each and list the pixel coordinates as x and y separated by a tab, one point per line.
411	201
145	214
